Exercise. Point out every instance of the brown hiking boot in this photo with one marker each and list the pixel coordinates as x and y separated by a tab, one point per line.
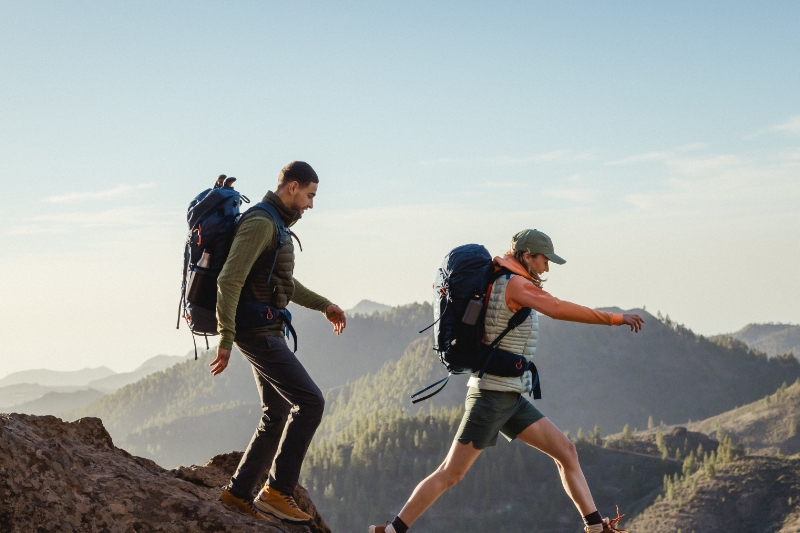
609	525
281	505
240	504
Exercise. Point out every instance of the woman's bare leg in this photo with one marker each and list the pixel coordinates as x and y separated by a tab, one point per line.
545	436
450	472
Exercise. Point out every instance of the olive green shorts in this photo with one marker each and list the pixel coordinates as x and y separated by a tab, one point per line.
489	412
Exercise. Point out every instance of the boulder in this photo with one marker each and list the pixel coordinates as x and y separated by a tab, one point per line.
69	476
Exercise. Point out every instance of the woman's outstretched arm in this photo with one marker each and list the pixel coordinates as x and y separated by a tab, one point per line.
522	292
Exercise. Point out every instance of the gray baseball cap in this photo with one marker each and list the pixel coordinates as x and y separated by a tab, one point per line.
536	242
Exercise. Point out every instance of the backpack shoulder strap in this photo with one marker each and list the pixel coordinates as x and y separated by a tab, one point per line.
268	255
272	213
503	271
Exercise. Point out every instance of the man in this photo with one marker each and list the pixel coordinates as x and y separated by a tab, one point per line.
289	397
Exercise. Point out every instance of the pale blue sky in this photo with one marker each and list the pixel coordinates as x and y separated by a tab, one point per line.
658	144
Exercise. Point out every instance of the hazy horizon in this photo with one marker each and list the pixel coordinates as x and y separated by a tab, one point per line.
212	343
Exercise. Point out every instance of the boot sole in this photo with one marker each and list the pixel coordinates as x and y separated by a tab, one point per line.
241	512
267	508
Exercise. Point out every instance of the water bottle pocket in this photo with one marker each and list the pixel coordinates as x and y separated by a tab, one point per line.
201	290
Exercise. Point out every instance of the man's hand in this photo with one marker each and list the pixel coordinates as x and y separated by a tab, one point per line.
221	362
634	321
336	316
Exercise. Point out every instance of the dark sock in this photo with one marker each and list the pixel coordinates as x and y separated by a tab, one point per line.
593	519
399	525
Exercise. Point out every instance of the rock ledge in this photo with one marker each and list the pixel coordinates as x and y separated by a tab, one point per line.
62	476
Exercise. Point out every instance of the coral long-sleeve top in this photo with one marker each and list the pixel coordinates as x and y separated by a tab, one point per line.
522	292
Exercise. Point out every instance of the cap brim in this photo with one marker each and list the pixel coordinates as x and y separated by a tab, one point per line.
555	259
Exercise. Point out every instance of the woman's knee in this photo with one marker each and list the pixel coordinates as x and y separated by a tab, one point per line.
567	454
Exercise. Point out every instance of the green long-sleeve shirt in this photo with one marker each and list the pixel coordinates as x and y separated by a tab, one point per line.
253	237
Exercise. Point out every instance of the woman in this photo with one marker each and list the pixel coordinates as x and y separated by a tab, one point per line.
496	404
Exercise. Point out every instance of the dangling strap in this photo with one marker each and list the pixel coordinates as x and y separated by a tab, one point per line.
536	388
194	341
443	290
180	307
182	302
434	323
434	393
290	329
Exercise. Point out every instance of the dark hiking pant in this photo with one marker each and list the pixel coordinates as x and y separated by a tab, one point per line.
292	405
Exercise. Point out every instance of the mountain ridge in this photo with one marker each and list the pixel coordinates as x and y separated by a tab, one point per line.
44	377
770	338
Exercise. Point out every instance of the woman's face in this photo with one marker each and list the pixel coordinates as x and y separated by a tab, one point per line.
537	263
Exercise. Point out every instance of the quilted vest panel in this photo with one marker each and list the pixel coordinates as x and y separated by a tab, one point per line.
521	340
278	292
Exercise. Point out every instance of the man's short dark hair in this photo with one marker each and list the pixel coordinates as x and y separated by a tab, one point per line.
298	171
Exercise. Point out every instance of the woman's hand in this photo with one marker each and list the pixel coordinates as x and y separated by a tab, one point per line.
336	316
634	321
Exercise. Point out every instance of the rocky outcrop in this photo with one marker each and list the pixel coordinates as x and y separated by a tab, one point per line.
62	476
216	473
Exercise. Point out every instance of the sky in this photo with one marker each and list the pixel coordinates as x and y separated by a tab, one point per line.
658	144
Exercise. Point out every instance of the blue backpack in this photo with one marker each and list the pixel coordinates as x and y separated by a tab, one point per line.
213	217
461	291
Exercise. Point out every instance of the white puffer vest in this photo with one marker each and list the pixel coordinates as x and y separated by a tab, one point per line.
521	340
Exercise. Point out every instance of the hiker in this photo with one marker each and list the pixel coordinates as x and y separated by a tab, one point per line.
496	404
291	401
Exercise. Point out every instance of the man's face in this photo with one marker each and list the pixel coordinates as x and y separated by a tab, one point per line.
302	198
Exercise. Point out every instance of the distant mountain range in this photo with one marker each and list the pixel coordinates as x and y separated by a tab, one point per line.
51	391
100	378
368	307
12	395
772	339
56	402
158	363
56	378
590	375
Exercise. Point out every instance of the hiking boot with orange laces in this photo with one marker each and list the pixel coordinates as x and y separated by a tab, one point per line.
279	504
609	525
241	505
